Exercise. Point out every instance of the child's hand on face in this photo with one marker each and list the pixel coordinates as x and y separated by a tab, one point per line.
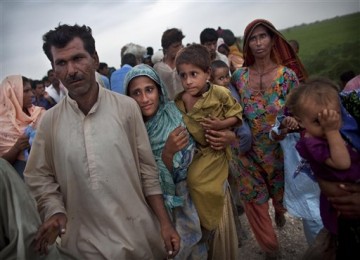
329	120
211	123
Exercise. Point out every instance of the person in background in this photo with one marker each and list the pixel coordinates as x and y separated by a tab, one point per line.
171	42
263	84
208	107
235	56
317	108
56	90
18	119
157	56
136	49
295	45
147	57
222	47
41	97
103	206
103	69
102	75
209	38
46	81
128	61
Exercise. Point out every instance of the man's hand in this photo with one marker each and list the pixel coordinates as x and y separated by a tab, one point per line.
171	239
48	232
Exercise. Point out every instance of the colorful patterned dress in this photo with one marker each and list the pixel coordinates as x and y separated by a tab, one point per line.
263	177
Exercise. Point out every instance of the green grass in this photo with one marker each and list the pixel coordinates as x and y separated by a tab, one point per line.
329	47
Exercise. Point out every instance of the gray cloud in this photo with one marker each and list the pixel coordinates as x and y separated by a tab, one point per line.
116	23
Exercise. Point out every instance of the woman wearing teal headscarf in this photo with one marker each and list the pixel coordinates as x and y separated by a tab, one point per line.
173	149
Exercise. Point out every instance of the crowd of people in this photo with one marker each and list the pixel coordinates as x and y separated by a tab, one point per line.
155	160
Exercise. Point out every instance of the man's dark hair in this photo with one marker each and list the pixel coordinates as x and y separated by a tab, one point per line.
102	65
63	34
36	82
129	59
208	35
171	36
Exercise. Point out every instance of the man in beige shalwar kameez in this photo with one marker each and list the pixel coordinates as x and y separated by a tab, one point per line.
91	167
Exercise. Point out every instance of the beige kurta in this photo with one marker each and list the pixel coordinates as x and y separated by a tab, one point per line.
96	169
171	79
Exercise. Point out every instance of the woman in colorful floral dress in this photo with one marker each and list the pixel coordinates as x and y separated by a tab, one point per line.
271	69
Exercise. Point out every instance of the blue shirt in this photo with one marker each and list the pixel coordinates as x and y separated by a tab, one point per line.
117	79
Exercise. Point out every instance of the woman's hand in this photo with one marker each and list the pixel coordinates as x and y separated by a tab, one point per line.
220	139
22	143
348	205
177	140
345	197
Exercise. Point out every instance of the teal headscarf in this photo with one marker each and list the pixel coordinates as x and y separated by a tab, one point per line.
166	119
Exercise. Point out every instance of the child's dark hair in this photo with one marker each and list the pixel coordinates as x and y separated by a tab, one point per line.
194	54
322	90
218	64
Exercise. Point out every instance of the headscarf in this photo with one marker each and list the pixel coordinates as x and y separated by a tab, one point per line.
166	119
282	52
13	119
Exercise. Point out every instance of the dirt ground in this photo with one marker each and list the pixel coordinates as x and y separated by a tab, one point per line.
291	238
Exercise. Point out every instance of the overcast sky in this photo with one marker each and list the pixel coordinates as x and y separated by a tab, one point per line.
116	23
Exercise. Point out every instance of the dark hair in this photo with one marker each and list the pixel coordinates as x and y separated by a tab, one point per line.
49	71
208	35
323	90
150	51
129	59
36	82
195	54
217	64
63	34
171	36
228	36
25	80
102	65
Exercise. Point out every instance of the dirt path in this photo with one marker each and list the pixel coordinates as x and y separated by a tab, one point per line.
291	238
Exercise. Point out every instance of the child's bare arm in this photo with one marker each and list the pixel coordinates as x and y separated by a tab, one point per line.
214	123
339	155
